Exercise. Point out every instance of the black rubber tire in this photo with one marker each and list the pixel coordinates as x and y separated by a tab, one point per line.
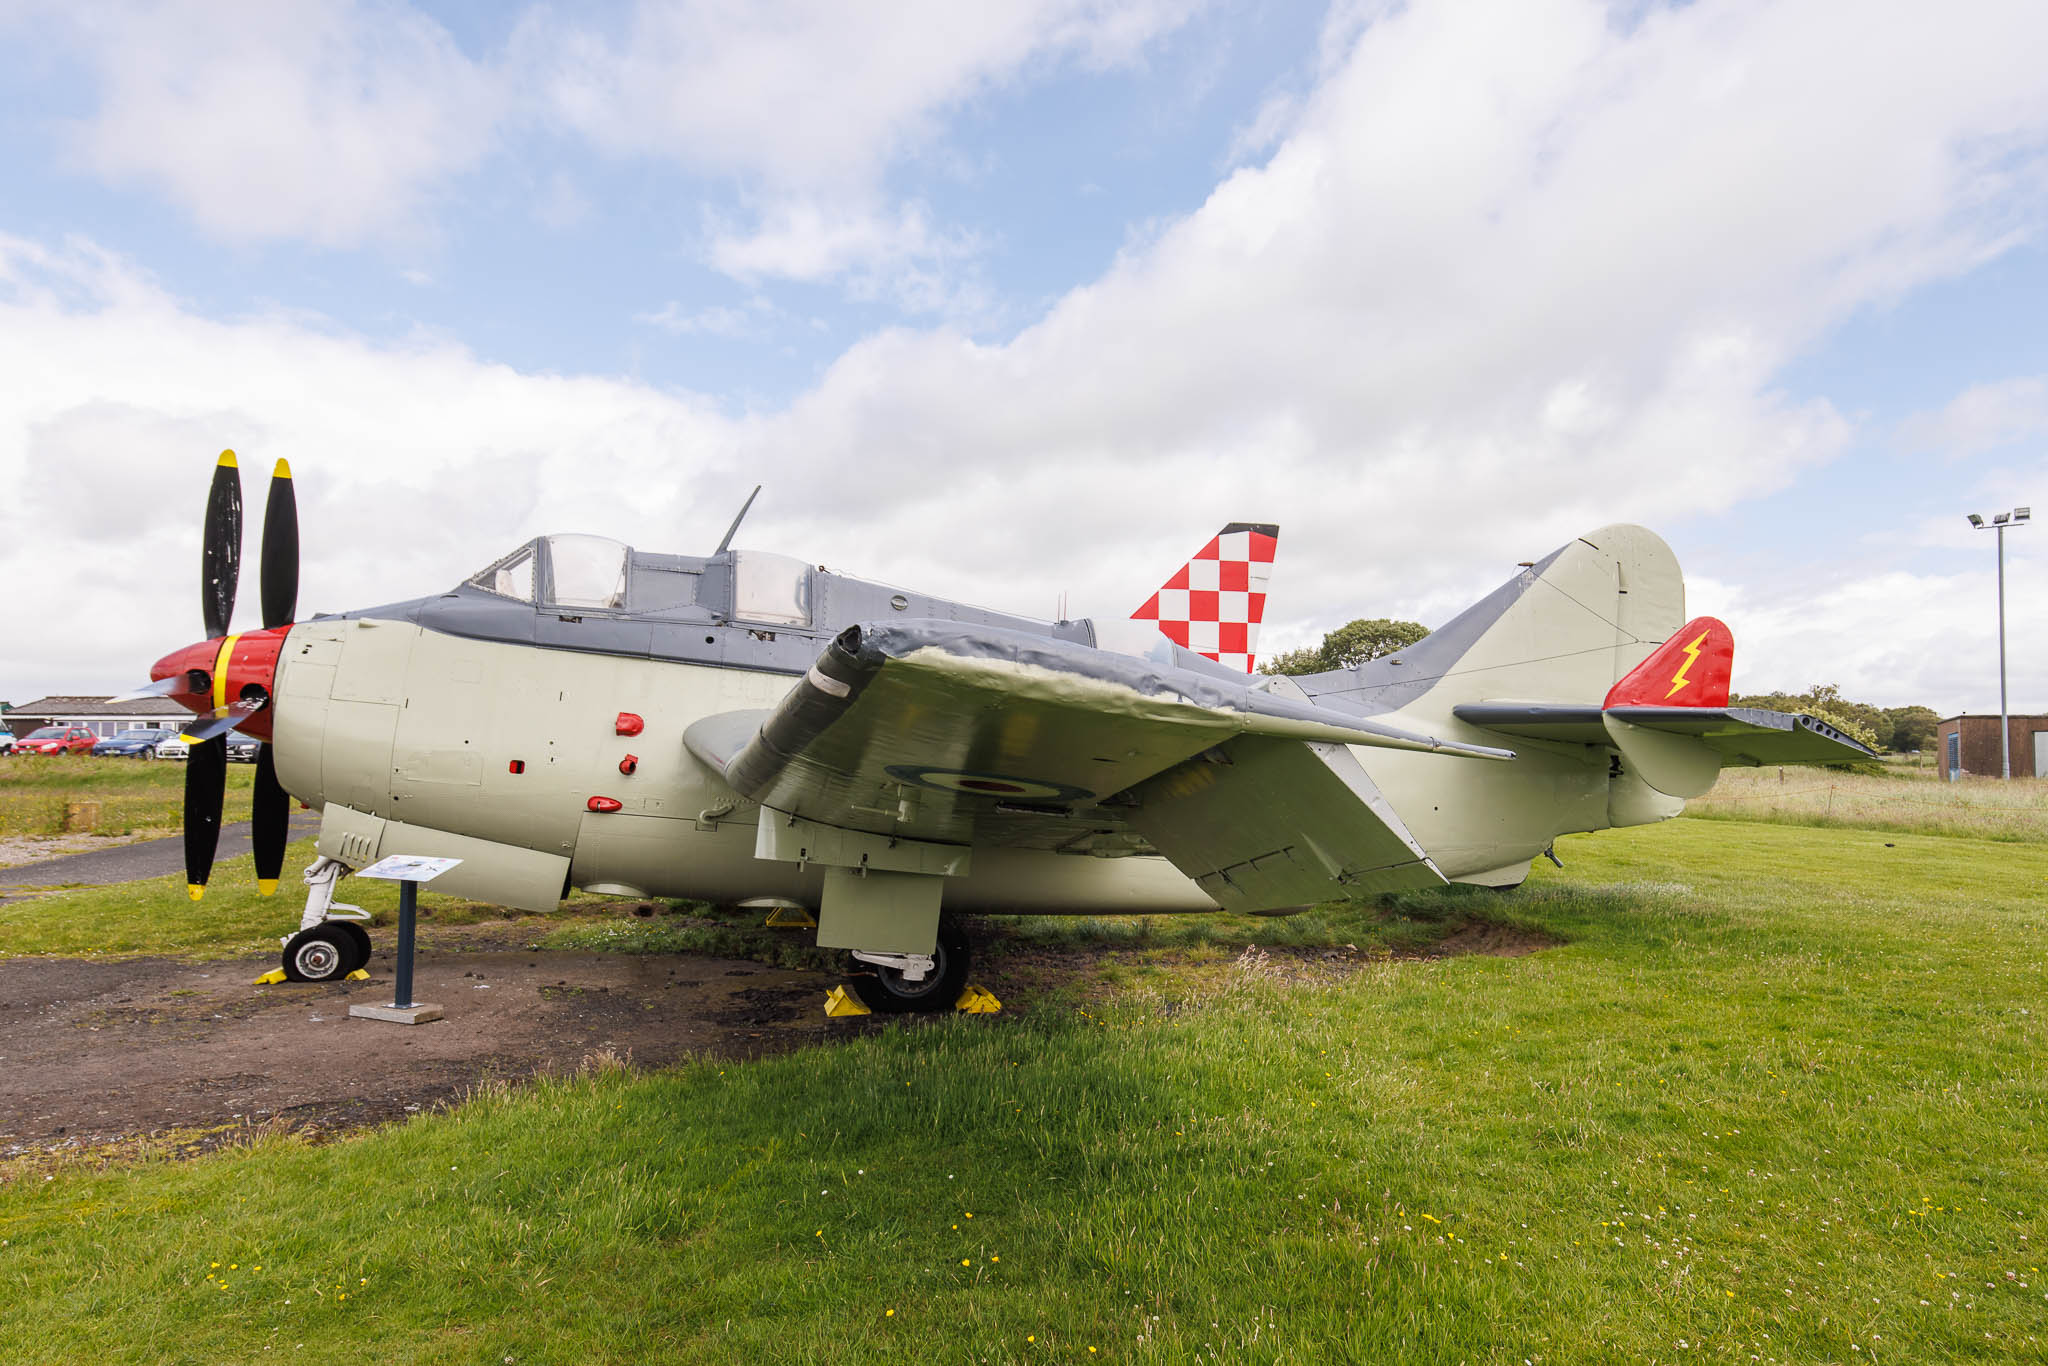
884	991
358	936
321	954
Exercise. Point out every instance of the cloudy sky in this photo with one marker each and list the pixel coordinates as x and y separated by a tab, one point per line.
1025	297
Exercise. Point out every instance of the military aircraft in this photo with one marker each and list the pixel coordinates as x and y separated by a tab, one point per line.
749	728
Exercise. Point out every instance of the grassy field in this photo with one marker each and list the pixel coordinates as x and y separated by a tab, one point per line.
1777	1097
1906	797
135	796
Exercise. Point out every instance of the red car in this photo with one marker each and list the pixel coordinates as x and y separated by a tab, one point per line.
57	740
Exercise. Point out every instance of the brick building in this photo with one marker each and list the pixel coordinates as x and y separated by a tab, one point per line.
1968	746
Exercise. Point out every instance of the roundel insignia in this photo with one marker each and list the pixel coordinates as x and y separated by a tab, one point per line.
978	784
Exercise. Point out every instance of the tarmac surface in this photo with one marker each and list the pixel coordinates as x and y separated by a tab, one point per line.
142	859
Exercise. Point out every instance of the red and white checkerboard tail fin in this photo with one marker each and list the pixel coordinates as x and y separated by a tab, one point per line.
1214	603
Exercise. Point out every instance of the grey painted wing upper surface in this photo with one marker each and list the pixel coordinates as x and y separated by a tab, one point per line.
940	730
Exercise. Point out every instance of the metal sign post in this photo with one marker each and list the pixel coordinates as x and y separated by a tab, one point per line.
408	871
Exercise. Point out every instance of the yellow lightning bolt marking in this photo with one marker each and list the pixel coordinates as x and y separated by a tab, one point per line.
1692	657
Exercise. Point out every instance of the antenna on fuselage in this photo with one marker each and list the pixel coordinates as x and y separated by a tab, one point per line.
726	543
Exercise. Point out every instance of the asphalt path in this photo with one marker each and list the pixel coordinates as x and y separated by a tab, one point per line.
144	858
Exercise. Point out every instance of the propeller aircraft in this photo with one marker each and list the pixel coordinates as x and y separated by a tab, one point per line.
752	729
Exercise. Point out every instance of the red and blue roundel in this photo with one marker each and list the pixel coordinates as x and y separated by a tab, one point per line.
975	783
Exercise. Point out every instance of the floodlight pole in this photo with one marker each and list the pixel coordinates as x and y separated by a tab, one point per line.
2004	721
2018	517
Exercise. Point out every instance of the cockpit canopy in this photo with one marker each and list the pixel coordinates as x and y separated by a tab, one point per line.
597	573
564	570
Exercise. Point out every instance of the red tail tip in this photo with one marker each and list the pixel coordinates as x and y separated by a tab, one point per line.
1692	669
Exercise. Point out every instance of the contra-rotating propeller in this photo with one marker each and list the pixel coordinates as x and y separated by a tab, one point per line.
227	679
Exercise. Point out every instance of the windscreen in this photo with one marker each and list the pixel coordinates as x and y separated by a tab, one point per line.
511	577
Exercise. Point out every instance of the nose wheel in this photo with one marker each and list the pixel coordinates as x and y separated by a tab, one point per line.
326	953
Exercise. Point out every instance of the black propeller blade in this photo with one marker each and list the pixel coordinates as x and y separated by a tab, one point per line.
280	564
206	767
270	805
206	779
270	818
220	560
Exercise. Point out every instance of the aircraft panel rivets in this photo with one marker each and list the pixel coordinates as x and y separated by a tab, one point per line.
628	724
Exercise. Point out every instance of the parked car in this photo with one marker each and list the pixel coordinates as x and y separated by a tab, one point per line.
173	748
7	742
57	740
242	748
140	743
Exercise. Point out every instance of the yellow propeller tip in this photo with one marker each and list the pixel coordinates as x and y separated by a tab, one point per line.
195	890
283	470
228	458
266	886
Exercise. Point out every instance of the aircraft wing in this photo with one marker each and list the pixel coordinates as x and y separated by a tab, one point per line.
946	732
1740	735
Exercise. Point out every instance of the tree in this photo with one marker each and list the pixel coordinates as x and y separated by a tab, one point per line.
1912	728
1348	646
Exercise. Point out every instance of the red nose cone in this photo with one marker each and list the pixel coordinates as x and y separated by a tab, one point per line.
195	664
249	670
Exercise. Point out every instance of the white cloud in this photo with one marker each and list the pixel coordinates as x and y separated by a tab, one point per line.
343	121
1981	418
1892	639
328	120
1510	273
807	95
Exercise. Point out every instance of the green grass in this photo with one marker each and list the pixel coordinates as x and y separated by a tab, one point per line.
1779	1098
1906	797
135	795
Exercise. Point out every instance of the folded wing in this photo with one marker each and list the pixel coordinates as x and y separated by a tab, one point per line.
942	732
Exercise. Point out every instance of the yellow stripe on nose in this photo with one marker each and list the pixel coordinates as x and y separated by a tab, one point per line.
220	671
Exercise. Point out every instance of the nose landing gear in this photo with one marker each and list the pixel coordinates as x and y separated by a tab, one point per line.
331	942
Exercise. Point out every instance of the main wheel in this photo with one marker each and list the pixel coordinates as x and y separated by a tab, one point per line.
886	991
359	937
321	954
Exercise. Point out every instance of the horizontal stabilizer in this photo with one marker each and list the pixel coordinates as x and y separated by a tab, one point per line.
1741	735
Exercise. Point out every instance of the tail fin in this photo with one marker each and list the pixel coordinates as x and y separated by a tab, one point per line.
1214	603
1564	630
1692	669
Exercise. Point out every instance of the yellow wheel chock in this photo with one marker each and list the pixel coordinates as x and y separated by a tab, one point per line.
840	1001
276	975
977	1001
790	918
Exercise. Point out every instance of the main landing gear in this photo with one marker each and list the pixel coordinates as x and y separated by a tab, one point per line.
331	942
906	983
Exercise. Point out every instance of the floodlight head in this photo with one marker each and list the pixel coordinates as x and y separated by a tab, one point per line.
1975	520
2000	519
2022	514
